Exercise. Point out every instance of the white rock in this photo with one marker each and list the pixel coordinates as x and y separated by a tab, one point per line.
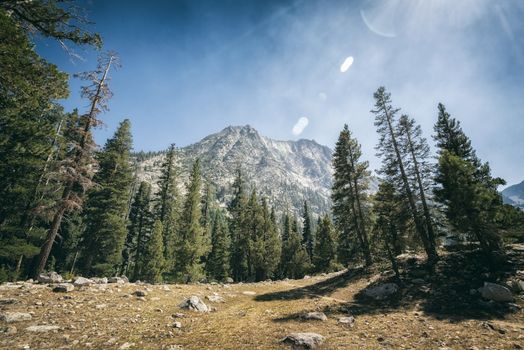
194	303
51	277
15	316
304	340
248	292
319	316
42	329
82	281
215	298
349	320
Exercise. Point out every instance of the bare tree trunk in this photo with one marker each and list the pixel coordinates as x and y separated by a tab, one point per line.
430	250
50	239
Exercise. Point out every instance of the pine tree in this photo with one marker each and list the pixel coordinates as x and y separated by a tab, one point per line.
324	258
308	238
167	207
105	209
208	212
466	187
152	261
218	266
272	243
393	163
240	242
140	223
295	261
417	150
189	252
348	194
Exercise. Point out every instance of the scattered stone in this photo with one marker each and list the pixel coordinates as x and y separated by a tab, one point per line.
42	329
380	339
418	281
229	280
349	320
494	327
8	301
381	291
116	279
304	340
306	277
496	292
126	345
10	317
139	293
8	330
51	277
517	286
99	280
319	316
195	304
64	288
215	298
177	324
249	292
101	306
173	347
178	315
82	281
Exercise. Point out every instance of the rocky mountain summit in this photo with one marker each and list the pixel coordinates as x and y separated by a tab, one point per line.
514	195
286	172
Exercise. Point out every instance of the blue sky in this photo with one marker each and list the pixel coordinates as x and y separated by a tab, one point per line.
191	68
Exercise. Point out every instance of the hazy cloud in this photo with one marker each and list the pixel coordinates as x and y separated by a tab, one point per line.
300	125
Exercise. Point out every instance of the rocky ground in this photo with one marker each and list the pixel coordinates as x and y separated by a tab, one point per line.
356	309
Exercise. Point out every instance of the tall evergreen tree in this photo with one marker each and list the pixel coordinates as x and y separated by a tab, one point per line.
167	207
218	263
351	179
189	251
466	187
152	260
240	242
272	243
140	223
105	209
295	261
393	163
324	258
308	238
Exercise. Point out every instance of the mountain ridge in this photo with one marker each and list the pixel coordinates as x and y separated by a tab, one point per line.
285	172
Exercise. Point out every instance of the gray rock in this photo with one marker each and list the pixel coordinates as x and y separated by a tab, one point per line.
304	340
99	280
82	281
195	304
64	288
349	320
51	277
381	291
229	280
140	293
496	292
319	316
116	279
10	317
42	329
517	286
215	298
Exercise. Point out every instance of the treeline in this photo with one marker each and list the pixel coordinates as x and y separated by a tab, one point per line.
418	200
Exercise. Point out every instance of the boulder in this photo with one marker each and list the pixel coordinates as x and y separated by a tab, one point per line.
82	281
496	292
229	280
42	329
382	291
517	285
349	320
99	280
10	317
51	277
64	288
195	304
318	316
116	279
304	340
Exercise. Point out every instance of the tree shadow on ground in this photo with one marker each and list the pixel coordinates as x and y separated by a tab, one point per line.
322	288
449	291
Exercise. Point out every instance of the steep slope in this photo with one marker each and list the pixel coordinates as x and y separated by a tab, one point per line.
514	195
286	172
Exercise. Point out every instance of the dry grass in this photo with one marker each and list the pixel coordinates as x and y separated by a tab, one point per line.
107	316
